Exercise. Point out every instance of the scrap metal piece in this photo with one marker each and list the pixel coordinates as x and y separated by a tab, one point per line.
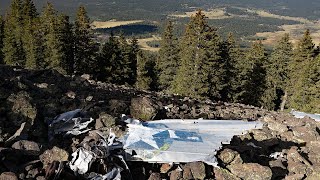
178	141
299	114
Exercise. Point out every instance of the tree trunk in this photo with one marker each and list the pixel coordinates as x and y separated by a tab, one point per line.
284	100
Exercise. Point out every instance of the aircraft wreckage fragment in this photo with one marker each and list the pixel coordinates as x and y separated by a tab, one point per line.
162	141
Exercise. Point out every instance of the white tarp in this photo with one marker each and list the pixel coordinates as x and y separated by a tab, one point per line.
299	114
170	141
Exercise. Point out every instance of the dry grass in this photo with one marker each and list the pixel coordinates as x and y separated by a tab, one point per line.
143	43
270	15
219	13
112	23
296	32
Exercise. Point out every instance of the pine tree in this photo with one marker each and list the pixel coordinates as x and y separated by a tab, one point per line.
109	61
127	61
1	39
13	30
134	49
200	57
233	64
303	55
53	51
144	79
85	47
255	74
168	58
66	37
214	66
313	105
278	72
32	40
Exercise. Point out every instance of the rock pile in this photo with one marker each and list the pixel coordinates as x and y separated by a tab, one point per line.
286	147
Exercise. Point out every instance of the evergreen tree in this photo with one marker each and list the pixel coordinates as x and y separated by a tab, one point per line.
32	40
233	64
255	74
303	55
85	47
1	39
168	58
13	30
144	79
278	72
214	66
198	73
134	49
128	64
66	38
53	51
313	87
109	61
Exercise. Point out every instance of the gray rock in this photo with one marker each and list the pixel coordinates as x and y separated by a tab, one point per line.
105	121
251	171
228	155
30	146
223	174
198	169
8	176
175	174
155	176
144	108
54	154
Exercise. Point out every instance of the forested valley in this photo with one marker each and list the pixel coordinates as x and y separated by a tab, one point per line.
199	64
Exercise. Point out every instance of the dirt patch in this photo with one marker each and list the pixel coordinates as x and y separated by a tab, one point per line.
219	13
145	46
263	13
112	23
295	31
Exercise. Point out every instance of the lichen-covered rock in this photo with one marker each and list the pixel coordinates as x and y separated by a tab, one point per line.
105	121
144	108
22	107
54	154
227	156
198	169
223	174
251	171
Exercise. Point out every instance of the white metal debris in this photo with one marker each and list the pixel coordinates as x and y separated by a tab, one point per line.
176	140
299	114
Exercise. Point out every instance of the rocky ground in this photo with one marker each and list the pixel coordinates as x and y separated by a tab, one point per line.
286	147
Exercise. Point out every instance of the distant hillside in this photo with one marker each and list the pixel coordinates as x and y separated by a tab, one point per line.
158	9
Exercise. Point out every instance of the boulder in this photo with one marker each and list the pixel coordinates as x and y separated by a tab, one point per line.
198	169
155	176
54	154
29	146
144	108
175	174
22	109
227	156
8	176
165	168
251	171
105	121
223	174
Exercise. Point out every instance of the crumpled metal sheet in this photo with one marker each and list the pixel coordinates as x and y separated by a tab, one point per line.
299	114
81	160
178	141
70	123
